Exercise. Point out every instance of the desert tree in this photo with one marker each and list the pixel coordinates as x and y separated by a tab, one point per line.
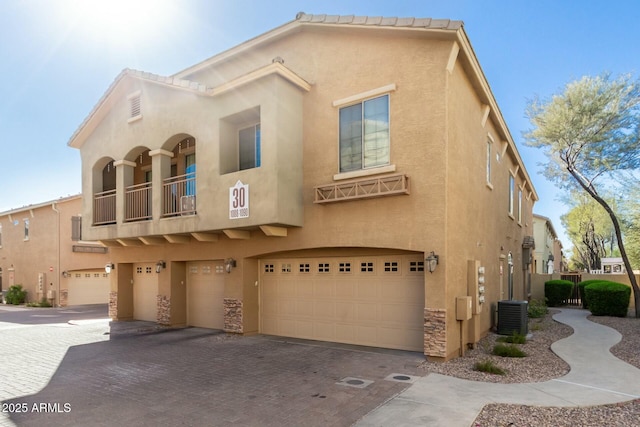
590	131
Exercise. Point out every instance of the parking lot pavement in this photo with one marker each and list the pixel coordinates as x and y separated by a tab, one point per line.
191	376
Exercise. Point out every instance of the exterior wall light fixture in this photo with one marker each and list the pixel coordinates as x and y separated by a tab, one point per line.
229	263
160	265
109	267
432	261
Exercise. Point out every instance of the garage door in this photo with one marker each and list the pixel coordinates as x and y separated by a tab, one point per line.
205	294
145	292
88	287
374	301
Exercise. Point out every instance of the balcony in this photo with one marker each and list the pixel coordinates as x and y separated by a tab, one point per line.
138	202
179	195
362	189
104	208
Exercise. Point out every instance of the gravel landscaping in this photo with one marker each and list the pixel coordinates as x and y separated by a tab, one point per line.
541	364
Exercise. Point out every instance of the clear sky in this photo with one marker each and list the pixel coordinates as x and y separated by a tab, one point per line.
58	57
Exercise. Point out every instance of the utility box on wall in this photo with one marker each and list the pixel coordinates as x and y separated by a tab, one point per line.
464	309
476	285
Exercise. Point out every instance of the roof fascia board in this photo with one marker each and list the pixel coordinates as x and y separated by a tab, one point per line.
273	68
30	208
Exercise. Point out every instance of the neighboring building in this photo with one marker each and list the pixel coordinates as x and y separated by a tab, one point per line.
302	183
548	256
611	266
41	248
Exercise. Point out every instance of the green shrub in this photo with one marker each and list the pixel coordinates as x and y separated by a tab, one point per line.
504	350
489	367
515	338
581	287
608	298
537	309
43	303
16	295
557	292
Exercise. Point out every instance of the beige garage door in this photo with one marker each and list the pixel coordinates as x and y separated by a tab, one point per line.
205	294
374	301
145	292
88	287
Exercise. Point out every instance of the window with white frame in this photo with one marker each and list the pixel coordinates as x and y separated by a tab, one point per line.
489	145
26	229
519	205
364	134
512	189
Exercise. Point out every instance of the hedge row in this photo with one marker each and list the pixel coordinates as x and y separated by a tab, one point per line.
557	292
605	298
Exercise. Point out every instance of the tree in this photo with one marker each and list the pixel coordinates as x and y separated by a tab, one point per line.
590	230
590	131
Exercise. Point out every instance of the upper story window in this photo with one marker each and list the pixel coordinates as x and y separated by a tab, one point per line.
26	229
76	228
241	141
249	147
512	188
489	146
519	205
0	235
364	134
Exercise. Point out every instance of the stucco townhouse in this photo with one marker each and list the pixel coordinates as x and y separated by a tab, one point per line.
338	178
42	248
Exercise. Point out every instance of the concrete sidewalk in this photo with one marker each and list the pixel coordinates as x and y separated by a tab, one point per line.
596	378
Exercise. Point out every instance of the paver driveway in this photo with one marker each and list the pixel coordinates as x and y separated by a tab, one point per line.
78	374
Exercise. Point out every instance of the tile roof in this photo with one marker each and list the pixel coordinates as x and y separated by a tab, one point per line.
445	24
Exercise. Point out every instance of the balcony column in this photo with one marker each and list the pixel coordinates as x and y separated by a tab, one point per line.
124	178
161	169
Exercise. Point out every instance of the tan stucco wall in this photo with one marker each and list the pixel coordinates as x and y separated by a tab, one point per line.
48	250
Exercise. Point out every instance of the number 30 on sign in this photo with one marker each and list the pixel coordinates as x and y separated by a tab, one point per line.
239	201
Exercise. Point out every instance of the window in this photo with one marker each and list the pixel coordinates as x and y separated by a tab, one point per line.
512	185
0	235
344	267
304	268
519	205
249	147
190	171
391	266
415	266
366	267
286	268
364	134
76	228
323	267
488	161
26	229
268	268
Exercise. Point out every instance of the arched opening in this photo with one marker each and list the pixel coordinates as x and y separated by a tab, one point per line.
179	188
138	186
104	192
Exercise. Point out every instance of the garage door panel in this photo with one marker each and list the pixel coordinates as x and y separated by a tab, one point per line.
345	289
324	331
145	291
205	295
88	287
345	311
370	301
324	309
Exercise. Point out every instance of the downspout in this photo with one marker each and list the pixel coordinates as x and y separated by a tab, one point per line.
58	271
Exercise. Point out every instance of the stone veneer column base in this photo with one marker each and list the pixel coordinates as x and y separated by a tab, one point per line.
113	305
64	297
233	315
164	310
435	332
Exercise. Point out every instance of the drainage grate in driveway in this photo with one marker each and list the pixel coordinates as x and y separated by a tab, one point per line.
402	378
354	382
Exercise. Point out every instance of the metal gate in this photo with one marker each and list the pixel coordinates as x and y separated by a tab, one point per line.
576	278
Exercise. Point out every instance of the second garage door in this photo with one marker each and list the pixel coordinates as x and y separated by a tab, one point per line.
88	287
374	301
145	292
205	294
